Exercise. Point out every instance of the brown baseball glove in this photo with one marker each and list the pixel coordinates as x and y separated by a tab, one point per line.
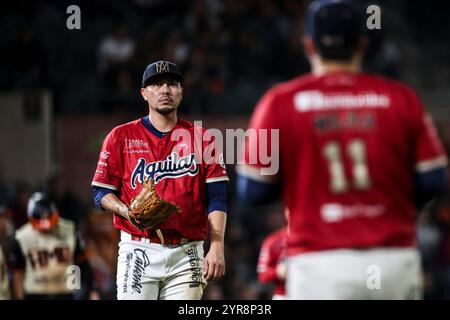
148	210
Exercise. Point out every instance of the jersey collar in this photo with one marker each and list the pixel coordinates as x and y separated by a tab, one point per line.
146	123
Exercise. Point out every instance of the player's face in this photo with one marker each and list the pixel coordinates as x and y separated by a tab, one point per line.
163	95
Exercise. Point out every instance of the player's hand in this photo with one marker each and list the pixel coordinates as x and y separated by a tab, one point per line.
281	271
94	295
215	262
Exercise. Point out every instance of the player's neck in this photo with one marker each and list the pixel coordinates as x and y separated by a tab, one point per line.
321	67
163	123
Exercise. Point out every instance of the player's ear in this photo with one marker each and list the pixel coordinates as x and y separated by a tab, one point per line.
361	49
143	94
308	46
363	43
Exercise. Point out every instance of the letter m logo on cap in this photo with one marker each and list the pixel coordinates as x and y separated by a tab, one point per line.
162	66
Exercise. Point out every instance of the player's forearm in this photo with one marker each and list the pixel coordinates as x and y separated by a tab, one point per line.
112	203
215	259
18	290
217	223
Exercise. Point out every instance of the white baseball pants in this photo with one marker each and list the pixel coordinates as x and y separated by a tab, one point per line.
151	271
382	273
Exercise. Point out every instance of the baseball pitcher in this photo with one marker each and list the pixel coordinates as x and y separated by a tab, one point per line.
152	175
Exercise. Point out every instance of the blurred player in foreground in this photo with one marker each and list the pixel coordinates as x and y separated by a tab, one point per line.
359	156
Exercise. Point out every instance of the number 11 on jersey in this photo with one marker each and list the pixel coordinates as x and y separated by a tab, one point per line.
356	150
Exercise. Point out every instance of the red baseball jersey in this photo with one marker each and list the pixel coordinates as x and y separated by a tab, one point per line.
349	145
131	153
271	254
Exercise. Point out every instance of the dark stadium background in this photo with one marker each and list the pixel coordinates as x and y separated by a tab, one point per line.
61	92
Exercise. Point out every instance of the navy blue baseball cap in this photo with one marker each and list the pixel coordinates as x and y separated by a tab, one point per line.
159	68
334	23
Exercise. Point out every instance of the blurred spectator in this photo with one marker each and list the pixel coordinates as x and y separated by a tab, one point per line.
26	59
17	199
4	280
4	274
69	205
114	49
387	61
101	243
122	94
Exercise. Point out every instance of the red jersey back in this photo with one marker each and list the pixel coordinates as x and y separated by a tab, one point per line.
131	153
349	146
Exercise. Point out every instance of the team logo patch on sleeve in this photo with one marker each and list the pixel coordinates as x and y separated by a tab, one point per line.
172	167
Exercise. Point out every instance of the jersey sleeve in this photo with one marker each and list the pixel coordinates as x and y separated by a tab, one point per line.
215	168
109	167
267	264
429	153
261	147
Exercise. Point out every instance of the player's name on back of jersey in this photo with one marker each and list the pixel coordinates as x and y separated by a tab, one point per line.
325	122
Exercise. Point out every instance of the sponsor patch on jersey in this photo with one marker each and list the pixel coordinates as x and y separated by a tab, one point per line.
173	166
135	143
315	100
336	212
137	151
